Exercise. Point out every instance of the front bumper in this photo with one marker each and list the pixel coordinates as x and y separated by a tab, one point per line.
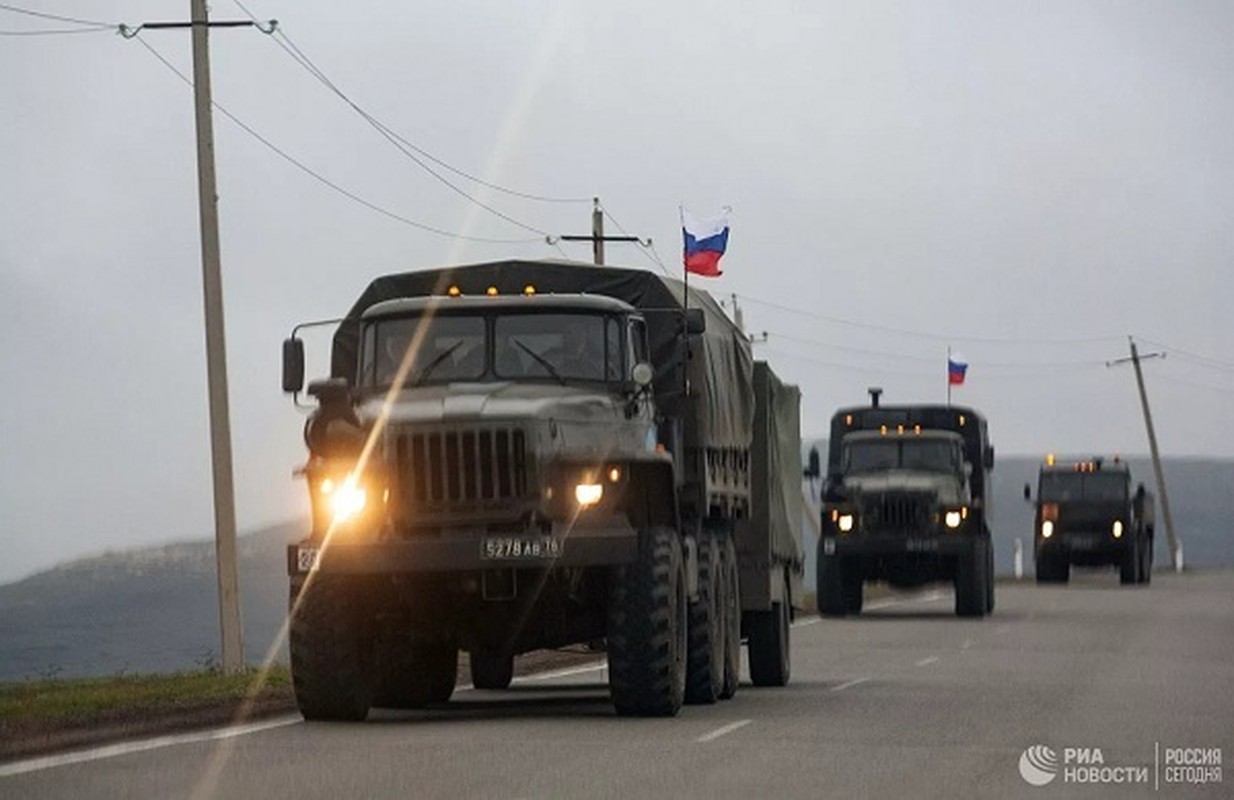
611	542
1093	545
897	544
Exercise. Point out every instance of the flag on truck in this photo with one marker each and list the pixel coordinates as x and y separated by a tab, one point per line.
706	239
957	368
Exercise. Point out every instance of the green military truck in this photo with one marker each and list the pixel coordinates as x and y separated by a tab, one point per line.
1088	515
529	454
906	501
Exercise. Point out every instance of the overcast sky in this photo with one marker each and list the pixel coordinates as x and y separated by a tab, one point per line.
1027	183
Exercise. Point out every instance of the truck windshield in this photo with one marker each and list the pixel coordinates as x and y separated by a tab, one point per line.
441	348
1063	486
558	346
455	347
929	455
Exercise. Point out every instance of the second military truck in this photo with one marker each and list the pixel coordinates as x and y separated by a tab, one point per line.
522	455
906	501
1087	515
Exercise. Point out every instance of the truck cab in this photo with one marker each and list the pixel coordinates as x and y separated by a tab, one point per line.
1086	514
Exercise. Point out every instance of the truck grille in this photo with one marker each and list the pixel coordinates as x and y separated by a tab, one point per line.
452	468
898	512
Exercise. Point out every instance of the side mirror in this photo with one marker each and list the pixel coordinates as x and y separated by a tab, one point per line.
1028	493
293	365
695	321
642	374
813	468
989	456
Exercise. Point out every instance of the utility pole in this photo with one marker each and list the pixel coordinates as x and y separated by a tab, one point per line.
597	237
230	626
1176	553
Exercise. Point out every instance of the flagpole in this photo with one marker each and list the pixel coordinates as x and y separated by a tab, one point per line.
685	307
948	375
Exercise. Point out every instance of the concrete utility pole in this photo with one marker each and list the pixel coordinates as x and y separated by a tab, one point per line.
597	237
1176	554
216	353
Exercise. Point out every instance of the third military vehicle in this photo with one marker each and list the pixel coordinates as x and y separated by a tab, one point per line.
906	501
1088	515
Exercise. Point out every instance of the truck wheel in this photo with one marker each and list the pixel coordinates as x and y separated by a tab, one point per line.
1052	569
769	644
705	661
647	629
732	618
970	581
830	585
415	675
491	669
1129	568
332	648
989	571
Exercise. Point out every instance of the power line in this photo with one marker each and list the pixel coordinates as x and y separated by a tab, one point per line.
918	333
322	179
648	250
1206	361
404	146
55	31
56	17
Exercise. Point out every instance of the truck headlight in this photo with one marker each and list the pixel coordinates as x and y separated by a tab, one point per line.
347	499
1117	529
952	519
845	523
588	494
1047	529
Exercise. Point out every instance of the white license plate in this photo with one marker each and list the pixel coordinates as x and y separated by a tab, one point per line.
308	558
510	547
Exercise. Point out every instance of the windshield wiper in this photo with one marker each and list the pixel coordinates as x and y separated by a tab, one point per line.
436	362
544	362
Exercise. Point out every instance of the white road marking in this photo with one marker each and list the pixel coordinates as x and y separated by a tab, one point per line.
718	732
126	748
925	662
928	597
562	673
801	623
848	684
967	644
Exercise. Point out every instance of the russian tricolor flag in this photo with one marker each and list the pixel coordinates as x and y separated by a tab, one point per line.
705	241
957	367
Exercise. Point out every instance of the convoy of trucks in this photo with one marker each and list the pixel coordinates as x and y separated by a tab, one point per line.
529	454
520	455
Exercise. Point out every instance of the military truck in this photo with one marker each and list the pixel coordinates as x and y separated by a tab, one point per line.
906	501
520	455
1087	515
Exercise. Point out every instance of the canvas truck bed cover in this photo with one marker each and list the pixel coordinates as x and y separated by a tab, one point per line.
773	533
721	404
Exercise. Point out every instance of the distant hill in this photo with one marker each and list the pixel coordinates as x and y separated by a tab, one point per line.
156	609
148	610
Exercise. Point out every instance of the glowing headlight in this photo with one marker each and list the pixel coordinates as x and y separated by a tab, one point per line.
1117	529
1047	529
952	519
346	499
845	523
588	494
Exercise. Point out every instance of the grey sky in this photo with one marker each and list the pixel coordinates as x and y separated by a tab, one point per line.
1026	182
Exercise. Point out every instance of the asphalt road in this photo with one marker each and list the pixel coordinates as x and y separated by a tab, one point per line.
905	700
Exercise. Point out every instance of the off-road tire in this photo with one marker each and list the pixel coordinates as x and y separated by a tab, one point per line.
331	647
1129	567
989	585
971	576
770	662
491	669
647	628
732	618
838	586
705	659
1146	574
415	674
1052	569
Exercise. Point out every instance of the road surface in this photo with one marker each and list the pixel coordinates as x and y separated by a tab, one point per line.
906	700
